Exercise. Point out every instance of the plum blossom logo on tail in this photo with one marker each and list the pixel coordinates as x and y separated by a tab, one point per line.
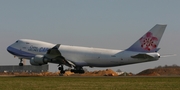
148	41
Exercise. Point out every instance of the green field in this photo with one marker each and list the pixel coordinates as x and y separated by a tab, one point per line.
89	83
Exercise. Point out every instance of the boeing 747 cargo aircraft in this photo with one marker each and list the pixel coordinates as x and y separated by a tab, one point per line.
145	49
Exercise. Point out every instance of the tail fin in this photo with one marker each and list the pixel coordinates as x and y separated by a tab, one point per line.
149	42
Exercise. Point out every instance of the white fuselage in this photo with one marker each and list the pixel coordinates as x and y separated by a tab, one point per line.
81	56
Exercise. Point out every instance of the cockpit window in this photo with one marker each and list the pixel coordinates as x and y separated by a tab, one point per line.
27	43
16	41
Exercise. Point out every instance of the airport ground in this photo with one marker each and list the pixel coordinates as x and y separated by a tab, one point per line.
90	83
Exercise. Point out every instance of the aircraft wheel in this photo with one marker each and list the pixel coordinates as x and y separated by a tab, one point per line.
72	70
78	70
62	72
20	64
60	68
81	71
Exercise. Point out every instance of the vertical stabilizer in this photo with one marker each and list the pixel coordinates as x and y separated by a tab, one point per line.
149	42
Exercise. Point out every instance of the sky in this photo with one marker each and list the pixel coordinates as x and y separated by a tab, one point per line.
111	24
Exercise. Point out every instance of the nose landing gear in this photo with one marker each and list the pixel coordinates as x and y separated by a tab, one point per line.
21	64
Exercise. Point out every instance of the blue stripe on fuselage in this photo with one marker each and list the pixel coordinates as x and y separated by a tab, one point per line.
20	53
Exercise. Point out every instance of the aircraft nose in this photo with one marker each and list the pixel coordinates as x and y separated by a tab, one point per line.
9	49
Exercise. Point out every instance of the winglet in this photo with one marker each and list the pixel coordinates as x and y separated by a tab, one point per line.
150	41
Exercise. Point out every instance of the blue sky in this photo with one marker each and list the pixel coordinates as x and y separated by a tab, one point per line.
113	24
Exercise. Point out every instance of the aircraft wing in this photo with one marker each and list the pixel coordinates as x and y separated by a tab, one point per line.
55	56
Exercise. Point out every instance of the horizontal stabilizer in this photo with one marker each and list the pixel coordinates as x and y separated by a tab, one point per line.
142	56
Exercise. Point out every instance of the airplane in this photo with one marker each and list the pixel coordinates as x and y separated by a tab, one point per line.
40	53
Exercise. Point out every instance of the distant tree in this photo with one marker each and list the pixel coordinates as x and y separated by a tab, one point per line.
166	66
174	65
158	67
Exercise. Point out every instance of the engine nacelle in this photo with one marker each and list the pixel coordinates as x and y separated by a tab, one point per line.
38	60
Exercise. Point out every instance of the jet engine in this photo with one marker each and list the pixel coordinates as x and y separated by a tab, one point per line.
38	60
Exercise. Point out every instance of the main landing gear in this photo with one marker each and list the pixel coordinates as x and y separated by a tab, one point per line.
77	69
21	64
61	69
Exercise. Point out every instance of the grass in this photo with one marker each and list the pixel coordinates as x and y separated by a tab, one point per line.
89	83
